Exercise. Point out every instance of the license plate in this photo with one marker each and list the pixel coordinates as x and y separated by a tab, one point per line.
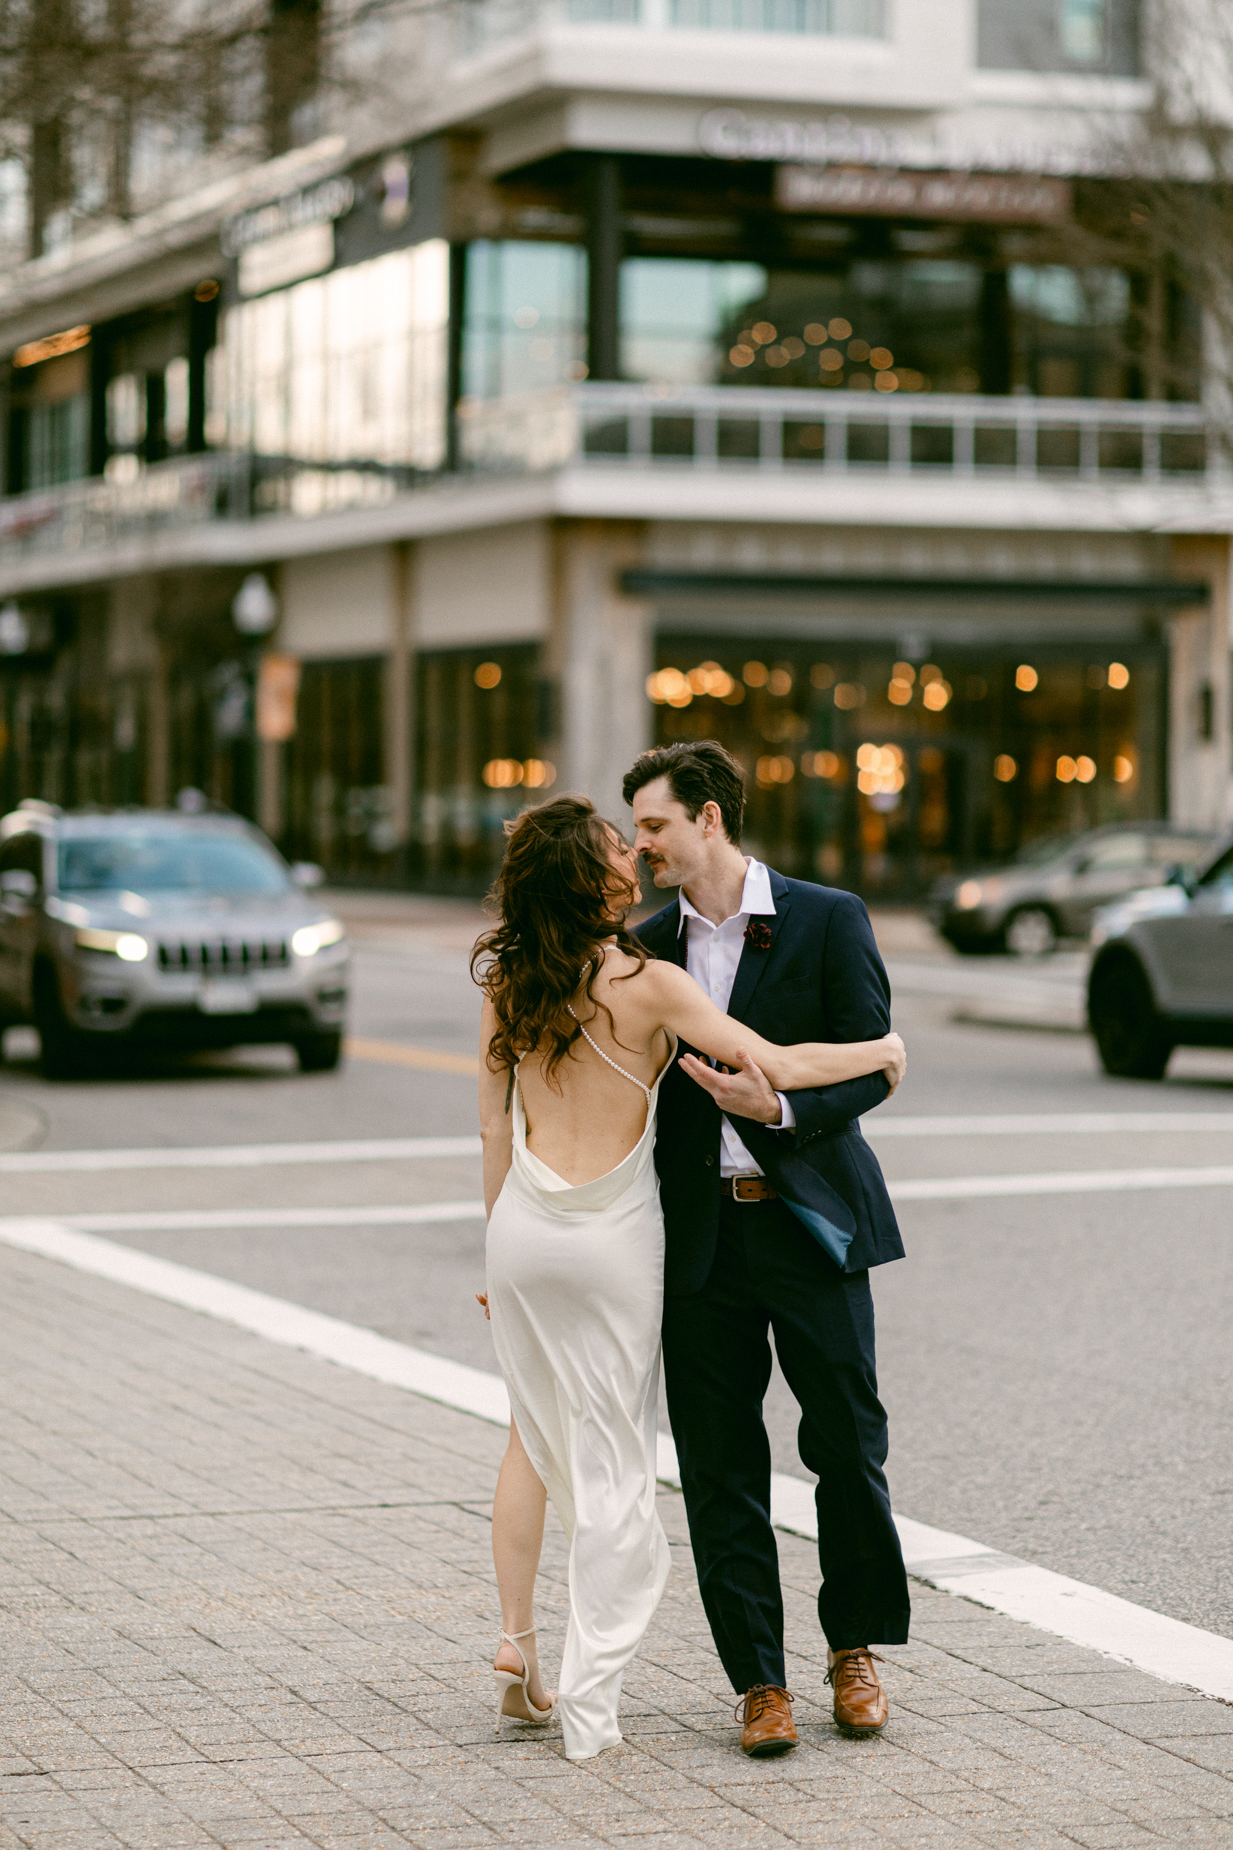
227	997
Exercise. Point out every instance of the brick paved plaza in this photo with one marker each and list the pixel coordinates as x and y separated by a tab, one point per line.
247	1600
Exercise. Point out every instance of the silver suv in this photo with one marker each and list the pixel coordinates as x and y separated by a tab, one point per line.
1162	975
157	929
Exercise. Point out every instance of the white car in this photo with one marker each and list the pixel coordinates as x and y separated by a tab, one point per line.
1162	973
155	929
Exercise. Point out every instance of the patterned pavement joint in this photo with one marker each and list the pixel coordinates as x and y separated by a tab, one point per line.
246	1600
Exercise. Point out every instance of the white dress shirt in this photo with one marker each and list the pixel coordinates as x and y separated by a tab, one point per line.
712	954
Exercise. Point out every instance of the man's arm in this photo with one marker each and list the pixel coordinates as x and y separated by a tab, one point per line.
856	991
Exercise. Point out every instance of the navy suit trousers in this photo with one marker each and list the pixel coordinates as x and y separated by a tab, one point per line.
769	1275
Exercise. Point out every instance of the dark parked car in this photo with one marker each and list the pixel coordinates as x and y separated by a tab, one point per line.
1162	975
1053	887
164	929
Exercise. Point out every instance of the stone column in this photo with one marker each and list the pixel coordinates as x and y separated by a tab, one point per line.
1200	728
600	651
399	743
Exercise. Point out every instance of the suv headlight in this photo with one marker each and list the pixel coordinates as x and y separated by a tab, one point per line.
129	946
310	939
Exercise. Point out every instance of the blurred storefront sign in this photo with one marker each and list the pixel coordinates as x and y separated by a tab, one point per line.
278	685
997	198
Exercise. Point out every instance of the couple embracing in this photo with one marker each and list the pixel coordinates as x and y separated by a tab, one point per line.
669	1163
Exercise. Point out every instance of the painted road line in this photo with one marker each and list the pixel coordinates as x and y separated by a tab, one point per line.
1059	1182
238	1155
395	1214
470	1390
398	1053
1047	1124
1084	1615
205	1220
398	1149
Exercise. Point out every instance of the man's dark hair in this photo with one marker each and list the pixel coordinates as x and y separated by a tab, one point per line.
697	774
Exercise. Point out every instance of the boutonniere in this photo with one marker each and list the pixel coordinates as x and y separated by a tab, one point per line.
758	935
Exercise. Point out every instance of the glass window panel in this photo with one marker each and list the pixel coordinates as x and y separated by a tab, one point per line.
347	367
677	315
525	319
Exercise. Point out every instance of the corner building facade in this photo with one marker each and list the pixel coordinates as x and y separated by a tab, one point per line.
683	371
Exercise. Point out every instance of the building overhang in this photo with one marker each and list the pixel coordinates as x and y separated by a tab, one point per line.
735	495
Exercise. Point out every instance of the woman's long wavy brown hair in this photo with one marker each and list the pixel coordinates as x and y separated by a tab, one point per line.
560	898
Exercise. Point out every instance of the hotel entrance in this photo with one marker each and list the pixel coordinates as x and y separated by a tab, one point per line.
880	768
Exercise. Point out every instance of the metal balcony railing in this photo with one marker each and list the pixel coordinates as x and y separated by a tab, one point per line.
722	427
100	513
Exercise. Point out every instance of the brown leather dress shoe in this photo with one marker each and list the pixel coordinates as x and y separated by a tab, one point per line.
860	1700
766	1715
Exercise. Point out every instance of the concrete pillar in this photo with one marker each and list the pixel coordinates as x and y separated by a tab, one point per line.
399	744
600	651
1200	717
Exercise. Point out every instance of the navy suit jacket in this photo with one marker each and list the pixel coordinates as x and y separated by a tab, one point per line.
822	979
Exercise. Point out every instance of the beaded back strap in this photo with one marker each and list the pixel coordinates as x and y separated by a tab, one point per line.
612	1063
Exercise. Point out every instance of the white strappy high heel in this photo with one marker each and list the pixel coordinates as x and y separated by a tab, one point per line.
506	1680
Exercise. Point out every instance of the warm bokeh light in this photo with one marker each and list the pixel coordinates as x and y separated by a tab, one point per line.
1026	678
710	678
1004	768
488	674
742	356
502	773
537	773
764	332
838	328
820	764
885	382
936	695
780	679
858	349
1119	675
1123	768
1085	769
849	694
771	771
815	333
899	693
669	688
822	675
830	360
930	672
754	674
880	769
1067	769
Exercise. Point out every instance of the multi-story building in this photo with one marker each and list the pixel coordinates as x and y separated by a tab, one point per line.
765	369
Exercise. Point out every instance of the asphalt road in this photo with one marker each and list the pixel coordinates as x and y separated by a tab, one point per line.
1058	1369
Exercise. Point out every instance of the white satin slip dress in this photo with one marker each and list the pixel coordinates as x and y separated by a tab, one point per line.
575	1291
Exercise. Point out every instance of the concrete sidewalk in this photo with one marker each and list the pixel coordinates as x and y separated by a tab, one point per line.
247	1599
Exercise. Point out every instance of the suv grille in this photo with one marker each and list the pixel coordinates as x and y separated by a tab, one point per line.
219	954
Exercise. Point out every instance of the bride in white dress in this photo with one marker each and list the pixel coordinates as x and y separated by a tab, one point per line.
578	1028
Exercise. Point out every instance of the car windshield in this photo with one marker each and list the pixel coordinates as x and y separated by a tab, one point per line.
162	861
1049	848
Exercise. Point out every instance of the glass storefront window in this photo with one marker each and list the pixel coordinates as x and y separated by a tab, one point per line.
337	801
524	324
344	368
675	314
479	759
901	321
881	774
1071	330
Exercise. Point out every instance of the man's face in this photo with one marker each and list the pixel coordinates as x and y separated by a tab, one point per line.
673	847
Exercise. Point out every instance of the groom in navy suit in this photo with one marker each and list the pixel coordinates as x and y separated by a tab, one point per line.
774	1210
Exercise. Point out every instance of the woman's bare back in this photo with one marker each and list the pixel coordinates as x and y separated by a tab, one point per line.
589	1117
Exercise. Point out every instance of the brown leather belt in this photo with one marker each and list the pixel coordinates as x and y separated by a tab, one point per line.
749	1188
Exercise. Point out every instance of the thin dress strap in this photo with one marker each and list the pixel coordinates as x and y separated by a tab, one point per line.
612	1063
